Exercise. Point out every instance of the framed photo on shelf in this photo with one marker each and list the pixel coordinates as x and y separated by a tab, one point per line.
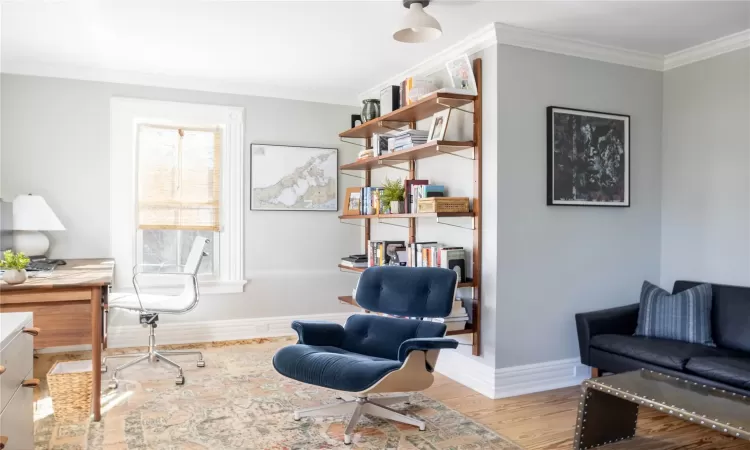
293	178
439	125
352	201
462	75
588	158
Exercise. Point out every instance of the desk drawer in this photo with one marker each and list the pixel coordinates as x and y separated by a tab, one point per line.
17	420
17	358
62	323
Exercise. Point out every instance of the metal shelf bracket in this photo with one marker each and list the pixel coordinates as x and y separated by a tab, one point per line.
351	175
472	157
352	142
390	166
473	224
392	224
342	222
440	102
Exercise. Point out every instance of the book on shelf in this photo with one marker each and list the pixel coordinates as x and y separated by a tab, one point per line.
370	200
422	190
354	261
381	253
407	139
434	254
408	192
457	318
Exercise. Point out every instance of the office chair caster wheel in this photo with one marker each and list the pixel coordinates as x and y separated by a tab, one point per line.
179	381
113	384
422	428
347	439
296	416
104	369
201	363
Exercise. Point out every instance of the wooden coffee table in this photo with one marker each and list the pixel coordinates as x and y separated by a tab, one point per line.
608	410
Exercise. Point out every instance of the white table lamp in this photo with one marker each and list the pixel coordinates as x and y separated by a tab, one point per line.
31	216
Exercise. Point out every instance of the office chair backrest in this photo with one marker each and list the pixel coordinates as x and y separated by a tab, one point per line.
195	257
407	291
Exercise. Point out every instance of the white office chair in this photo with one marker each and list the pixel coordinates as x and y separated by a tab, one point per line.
150	306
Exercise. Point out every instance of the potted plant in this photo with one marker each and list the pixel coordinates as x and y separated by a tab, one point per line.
393	195
14	266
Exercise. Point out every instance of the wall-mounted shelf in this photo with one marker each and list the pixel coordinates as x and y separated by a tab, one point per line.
427	150
408	116
401	117
408	215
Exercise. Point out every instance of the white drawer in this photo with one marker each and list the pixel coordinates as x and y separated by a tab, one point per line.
18	358
17	420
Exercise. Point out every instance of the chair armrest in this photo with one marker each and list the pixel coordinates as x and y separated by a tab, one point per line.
621	320
315	332
424	344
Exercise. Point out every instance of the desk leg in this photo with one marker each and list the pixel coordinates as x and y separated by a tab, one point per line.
96	350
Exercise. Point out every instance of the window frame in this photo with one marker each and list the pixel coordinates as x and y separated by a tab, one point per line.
126	114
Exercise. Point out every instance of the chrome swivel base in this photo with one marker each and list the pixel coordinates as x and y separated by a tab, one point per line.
152	356
374	406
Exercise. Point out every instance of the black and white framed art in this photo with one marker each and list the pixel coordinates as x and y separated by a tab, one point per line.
588	158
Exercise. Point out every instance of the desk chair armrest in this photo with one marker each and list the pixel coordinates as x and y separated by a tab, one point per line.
424	344
141	268
138	275
314	332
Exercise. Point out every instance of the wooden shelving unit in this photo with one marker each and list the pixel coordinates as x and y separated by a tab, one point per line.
408	116
427	150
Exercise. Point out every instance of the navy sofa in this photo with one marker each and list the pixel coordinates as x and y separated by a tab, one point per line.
607	343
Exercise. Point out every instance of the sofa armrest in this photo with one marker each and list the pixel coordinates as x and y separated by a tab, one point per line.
424	344
314	332
621	320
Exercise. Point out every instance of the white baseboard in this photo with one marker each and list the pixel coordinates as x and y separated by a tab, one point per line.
511	381
213	330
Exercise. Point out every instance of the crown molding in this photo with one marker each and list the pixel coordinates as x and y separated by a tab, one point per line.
329	96
499	33
707	50
546	42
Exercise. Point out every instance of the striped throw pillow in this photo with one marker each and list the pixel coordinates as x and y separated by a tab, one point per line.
682	317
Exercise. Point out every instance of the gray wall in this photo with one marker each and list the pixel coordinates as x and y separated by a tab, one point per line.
55	142
555	261
706	171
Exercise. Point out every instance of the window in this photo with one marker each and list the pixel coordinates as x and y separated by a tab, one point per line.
179	184
176	172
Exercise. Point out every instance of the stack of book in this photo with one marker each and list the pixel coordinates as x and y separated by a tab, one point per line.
355	261
433	254
407	139
384	253
457	318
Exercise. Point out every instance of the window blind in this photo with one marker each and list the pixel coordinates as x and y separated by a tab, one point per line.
178	178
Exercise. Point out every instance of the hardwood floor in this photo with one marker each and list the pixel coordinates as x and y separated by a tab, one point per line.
546	421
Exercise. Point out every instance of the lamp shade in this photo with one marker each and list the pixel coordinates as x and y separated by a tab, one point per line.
417	26
32	213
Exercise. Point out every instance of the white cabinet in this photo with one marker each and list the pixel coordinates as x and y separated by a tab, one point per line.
16	401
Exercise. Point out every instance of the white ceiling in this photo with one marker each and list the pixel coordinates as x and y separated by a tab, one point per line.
326	51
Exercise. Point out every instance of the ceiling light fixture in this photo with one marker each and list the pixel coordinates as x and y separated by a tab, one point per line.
417	26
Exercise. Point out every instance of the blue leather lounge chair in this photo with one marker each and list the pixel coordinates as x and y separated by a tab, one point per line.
373	354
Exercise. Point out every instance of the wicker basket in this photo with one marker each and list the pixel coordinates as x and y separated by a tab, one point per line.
70	388
443	205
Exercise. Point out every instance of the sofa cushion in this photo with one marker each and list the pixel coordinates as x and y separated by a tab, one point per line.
663	352
332	367
732	371
731	314
685	316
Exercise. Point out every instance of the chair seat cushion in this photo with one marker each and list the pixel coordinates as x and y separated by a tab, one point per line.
332	367
156	303
732	371
663	352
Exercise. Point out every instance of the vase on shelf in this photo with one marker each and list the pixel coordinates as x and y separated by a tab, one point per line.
397	207
14	276
370	109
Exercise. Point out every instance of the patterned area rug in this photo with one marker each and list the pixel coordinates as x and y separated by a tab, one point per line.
238	401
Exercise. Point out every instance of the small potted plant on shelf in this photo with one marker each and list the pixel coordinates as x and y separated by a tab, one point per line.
393	196
14	266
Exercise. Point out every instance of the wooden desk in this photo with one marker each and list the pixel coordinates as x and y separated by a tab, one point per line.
67	306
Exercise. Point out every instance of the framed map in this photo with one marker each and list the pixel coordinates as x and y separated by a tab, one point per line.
288	178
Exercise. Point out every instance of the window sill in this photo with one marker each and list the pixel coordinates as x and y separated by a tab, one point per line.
222	287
